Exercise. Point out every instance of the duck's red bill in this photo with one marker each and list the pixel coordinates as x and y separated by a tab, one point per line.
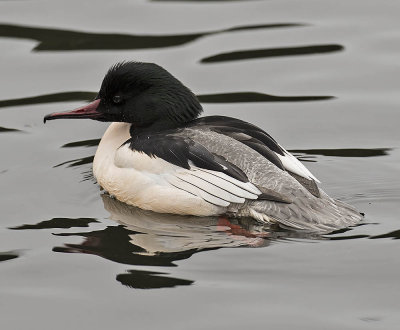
87	111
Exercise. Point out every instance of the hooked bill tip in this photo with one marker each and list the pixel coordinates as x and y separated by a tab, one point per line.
46	118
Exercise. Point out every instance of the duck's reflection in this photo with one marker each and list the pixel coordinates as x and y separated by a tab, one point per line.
163	237
165	233
147	238
140	279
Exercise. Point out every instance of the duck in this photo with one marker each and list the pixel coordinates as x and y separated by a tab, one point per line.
158	154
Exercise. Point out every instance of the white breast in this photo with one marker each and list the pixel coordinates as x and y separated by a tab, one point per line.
139	180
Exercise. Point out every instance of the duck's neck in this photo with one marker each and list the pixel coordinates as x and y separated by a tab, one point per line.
156	127
115	135
170	110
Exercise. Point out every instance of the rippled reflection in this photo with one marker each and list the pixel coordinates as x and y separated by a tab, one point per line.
151	239
154	234
393	234
200	0
8	255
58	223
349	152
77	162
66	40
6	130
49	98
233	97
272	52
141	279
114	243
83	143
241	97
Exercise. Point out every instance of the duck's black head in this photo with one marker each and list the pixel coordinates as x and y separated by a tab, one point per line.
143	94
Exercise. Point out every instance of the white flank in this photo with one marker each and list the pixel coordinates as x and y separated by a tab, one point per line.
152	183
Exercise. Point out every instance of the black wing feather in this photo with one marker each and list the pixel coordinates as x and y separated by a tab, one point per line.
229	126
201	157
179	150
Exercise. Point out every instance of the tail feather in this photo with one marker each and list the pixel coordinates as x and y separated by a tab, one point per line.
316	214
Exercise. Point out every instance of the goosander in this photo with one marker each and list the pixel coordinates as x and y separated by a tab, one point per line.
159	156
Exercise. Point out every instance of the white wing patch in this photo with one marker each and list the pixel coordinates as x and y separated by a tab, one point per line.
292	164
214	187
246	190
248	186
194	190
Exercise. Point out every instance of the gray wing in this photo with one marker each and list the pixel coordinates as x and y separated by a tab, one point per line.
259	170
259	140
303	210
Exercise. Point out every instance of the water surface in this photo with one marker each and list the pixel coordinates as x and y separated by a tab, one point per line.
321	77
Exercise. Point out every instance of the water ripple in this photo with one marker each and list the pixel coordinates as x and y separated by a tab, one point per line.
8	255
49	98
67	40
272	52
233	97
142	279
348	152
83	143
7	130
241	97
77	162
58	223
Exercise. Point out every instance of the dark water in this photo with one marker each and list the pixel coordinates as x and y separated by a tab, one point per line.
322	77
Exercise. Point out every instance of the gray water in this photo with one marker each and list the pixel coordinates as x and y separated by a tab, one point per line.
322	77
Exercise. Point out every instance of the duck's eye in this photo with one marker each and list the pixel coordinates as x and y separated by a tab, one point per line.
117	99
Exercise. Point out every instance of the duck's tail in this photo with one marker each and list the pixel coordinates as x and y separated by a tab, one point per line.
322	214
